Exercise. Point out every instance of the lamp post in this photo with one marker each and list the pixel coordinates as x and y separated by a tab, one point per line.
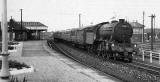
4	74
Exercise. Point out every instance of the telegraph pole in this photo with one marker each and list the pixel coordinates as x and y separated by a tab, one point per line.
21	17
4	74
143	29
154	32
21	25
152	17
11	27
80	20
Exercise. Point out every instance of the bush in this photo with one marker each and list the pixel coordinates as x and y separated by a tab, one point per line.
12	43
15	64
15	79
10	47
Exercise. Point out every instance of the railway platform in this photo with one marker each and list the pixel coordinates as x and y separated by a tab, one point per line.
51	66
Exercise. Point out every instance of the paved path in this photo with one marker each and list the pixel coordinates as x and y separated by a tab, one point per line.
53	67
34	49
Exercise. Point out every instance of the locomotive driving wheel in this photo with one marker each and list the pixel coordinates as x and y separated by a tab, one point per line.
130	58
103	54
114	56
107	55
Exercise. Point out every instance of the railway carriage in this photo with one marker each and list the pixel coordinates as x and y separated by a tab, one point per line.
79	36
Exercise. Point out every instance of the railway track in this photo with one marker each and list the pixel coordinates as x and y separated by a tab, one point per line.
141	66
135	65
147	67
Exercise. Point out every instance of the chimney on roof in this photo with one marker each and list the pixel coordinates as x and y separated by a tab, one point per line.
114	21
121	20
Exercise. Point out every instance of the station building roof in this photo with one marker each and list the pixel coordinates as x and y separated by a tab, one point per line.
27	26
34	25
136	25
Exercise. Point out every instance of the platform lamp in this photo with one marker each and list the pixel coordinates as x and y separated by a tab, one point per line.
4	74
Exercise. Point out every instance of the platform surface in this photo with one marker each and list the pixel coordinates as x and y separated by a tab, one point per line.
51	66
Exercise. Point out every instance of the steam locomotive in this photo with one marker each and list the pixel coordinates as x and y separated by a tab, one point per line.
106	39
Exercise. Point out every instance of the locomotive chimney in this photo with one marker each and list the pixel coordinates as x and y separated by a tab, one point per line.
121	20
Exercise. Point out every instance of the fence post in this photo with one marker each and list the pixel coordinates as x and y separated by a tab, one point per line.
150	56
159	58
142	55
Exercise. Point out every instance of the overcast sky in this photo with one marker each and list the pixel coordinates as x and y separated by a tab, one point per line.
63	14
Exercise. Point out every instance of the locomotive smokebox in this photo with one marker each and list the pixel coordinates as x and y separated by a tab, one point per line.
121	20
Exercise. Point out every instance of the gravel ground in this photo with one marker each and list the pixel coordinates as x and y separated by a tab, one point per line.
128	74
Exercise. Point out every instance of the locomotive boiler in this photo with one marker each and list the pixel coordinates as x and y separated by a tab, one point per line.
118	31
110	40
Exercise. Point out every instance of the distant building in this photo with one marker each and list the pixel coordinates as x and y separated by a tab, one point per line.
156	33
46	35
137	31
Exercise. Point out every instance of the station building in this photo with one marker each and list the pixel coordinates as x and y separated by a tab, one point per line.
31	31
26	31
137	31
